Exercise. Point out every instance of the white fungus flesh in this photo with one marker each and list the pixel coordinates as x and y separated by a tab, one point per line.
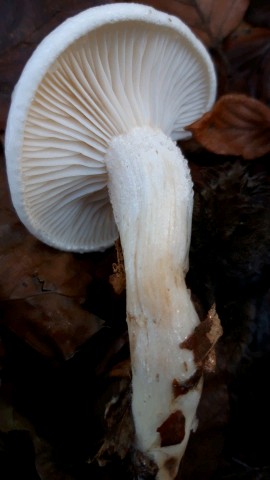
151	193
91	155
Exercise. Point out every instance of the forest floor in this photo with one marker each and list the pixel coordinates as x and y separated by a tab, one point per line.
63	342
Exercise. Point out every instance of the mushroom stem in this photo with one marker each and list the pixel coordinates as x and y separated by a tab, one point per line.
151	193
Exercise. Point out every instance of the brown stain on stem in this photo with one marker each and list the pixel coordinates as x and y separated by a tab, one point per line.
172	431
182	388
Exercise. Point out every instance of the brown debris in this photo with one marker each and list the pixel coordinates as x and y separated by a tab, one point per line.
204	338
209	365
120	432
143	466
118	278
121	369
172	431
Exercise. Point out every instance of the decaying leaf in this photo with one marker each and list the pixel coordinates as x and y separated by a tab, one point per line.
259	13
203	341
122	369
237	125
42	294
51	323
248	55
211	20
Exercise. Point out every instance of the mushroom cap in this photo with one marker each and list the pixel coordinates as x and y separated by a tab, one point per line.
98	75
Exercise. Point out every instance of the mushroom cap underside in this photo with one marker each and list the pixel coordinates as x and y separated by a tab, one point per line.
98	75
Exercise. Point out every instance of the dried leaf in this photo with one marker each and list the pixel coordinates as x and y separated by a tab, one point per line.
204	338
248	55
237	125
122	369
210	20
51	323
259	14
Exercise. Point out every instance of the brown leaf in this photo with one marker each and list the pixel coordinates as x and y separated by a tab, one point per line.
248	54
204	338
122	369
50	323
259	14
237	125
211	20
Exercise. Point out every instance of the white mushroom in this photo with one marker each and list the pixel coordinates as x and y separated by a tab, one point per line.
90	152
